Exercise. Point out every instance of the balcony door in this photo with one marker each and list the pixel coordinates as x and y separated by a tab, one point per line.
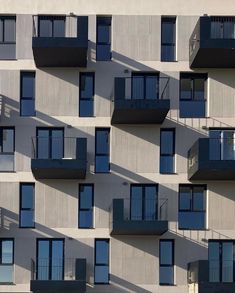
143	203
222	144
50	143
50	259
145	86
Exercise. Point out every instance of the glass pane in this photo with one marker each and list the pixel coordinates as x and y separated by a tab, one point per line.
28	83
43	144
27	196
192	109
216	30
57	260
1	30
104	34
101	274
185	198
86	86
102	164
168	53
185	89
229	29
86	197
7	251
227	262
167	164
138	87
167	142
59	28
166	257
136	203
152	87
168	31
167	275
214	261
6	162
8	140
150	212
27	107
215	144
57	144
86	108
45	28
228	145
85	219
43	260
199	89
102	142
191	220
27	218
9	30
199	199
6	273
102	252
103	52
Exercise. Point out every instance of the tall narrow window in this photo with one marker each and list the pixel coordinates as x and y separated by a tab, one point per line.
27	205
167	151
86	203
27	94
102	261
166	260
103	38
51	26
168	39
193	95
7	149
86	97
192	207
102	150
7	37
145	85
6	260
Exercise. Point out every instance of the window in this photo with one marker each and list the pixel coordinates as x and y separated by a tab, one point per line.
50	143
27	205
145	85
7	149
102	150
101	261
86	88
166	261
6	260
222	144
27	93
103	38
50	259
86	203
168	39
143	205
222	27
167	151
192	207
51	26
192	95
221	261
8	29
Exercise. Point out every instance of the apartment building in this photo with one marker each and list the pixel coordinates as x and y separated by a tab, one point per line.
117	146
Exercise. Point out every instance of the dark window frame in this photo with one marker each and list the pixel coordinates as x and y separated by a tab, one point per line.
22	74
102	264
144	75
102	154
92	208
51	18
13	251
108	18
168	19
1	141
3	18
93	91
167	265
173	130
27	209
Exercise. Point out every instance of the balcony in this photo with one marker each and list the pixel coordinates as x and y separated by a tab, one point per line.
127	217
212	159
67	51
59	158
199	276
212	43
68	275
135	103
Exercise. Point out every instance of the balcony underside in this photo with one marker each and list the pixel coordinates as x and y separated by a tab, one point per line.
140	111
60	52
68	286
58	169
139	227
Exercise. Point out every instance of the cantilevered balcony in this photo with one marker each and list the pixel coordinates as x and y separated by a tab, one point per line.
58	275
212	43
212	159
60	47
59	158
199	276
139	100
139	218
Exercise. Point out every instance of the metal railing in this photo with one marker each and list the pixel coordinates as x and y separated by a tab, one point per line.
54	147
222	27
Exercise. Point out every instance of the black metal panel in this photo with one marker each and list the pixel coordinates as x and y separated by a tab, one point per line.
206	52
201	167
68	286
120	226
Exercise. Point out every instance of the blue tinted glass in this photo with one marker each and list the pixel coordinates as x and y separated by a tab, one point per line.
86	86
43	260
167	164
227	262
192	109
103	34
191	220
59	28
27	107
43	144
168	53
168	31
102	164
101	274
167	142
6	273
45	27
7	140
85	219
150	203
152	90
57	144
86	196
138	87
199	89
27	218
86	108
103	53
57	260
7	252
198	199
166	257
102	142
28	85
136	203
186	89
102	252
185	198
167	275
27	196
214	261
